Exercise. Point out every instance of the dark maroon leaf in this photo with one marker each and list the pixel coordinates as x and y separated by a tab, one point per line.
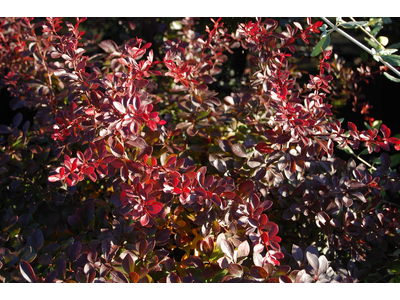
162	237
260	174
258	272
200	191
216	200
360	196
218	163
282	270
246	187
206	79
173	278
90	272
108	46
313	260
227	248
4	129
243	250
104	270
284	279
128	264
62	267
74	250
37	239
235	270
106	249
27	272
297	254
385	160
287	215
323	217
225	145
323	265
193	261
192	130
283	138
239	150
51	276
118	277
17	120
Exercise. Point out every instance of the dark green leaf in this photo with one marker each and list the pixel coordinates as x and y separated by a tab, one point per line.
202	114
323	43
395	279
392	59
395	160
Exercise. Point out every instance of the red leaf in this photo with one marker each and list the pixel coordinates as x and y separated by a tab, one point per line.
385	131
171	159
155	208
263	147
216	200
134	277
246	187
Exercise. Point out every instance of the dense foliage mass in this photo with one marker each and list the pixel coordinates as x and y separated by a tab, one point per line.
134	169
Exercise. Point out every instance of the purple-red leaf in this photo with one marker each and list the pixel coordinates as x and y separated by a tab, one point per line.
227	248
27	272
258	272
239	150
235	270
118	277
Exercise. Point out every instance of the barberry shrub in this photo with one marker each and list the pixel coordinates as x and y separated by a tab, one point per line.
134	169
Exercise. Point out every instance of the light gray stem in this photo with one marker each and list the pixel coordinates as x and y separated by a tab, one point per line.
360	45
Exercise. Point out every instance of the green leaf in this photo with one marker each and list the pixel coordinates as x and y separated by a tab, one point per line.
395	160
175	25
392	78
394	268
386	51
202	114
394	46
323	43
386	20
395	279
354	24
396	253
392	59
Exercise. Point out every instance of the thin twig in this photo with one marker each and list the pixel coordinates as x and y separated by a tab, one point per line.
368	33
334	27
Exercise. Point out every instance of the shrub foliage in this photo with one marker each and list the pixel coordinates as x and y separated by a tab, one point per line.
134	169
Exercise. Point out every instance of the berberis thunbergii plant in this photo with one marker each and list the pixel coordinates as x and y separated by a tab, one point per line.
134	168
